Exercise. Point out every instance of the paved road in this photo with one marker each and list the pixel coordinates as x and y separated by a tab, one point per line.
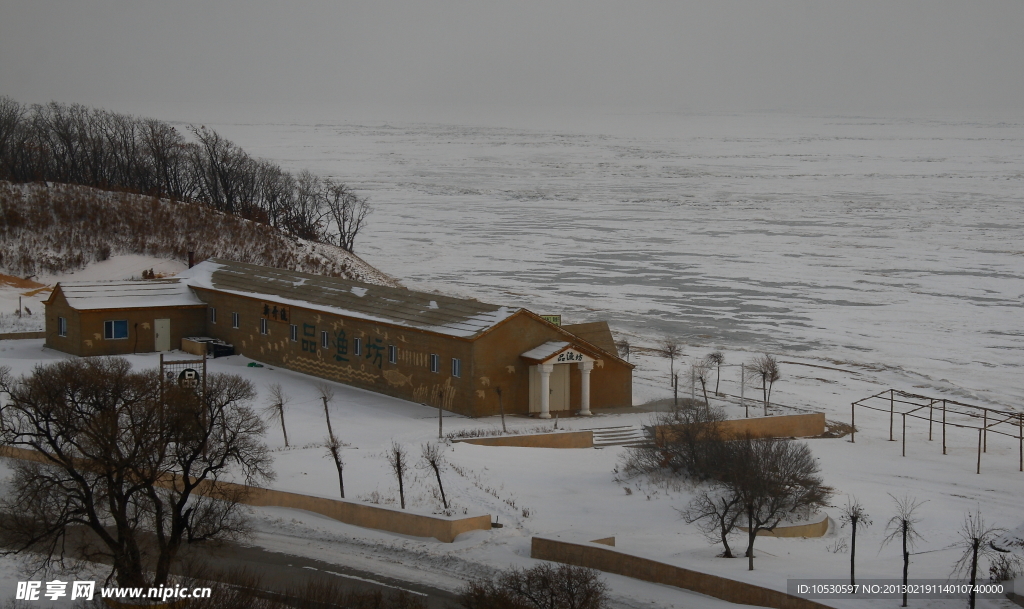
281	571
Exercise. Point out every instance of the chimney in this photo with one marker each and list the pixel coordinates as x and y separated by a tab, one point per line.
191	259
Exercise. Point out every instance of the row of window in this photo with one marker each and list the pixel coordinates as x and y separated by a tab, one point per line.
113	329
325	343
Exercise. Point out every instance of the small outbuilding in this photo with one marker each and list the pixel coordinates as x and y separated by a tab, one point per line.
121	317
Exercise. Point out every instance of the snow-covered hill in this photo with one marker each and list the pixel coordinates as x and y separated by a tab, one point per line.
52	230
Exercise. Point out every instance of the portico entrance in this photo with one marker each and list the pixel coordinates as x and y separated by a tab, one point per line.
550	378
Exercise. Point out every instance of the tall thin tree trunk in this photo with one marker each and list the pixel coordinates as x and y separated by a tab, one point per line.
853	550
906	564
280	410
330	432
751	535
976	543
341	477
501	409
401	490
440	485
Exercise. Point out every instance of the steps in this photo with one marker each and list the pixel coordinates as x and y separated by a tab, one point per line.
622	435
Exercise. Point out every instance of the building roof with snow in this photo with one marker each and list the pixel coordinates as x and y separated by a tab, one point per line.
457	317
106	295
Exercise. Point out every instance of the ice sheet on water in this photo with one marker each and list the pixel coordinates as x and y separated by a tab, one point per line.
890	241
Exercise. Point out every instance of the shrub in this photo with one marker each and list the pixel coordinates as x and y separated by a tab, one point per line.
542	587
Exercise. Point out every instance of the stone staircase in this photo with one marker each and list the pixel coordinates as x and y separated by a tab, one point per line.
622	435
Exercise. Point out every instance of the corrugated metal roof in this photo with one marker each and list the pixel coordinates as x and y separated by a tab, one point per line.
100	295
421	310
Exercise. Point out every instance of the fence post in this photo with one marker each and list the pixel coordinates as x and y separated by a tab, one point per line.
931	403
853	424
943	426
891	411
743	385
1020	439
984	444
904	434
979	452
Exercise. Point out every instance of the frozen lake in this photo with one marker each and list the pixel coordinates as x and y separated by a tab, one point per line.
897	244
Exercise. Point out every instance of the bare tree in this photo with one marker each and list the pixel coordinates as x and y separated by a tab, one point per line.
623	345
670	348
278	400
716	511
687	442
855	515
774	478
134	463
765	368
977	541
903	526
702	372
326	395
716	359
347	210
398	459
434	458
333	446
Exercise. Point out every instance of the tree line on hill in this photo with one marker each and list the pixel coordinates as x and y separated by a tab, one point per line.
75	144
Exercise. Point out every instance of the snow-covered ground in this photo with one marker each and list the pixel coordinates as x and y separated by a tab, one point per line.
538	491
866	253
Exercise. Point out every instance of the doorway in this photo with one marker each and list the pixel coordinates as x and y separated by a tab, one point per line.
162	334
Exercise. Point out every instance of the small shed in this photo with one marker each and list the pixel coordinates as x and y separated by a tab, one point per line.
120	317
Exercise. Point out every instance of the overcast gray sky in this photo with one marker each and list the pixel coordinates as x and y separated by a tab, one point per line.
417	56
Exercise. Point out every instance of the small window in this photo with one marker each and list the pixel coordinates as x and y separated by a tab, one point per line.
213	315
235	320
325	340
434	362
116	329
263	325
392	354
62	326
456	367
357	346
294	333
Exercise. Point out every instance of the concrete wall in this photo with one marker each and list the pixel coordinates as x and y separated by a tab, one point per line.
366	515
568	439
22	335
809	529
784	426
603	558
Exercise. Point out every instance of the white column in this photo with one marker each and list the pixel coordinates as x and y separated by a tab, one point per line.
585	368
545	389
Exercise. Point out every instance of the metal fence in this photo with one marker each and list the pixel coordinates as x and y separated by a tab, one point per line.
943	413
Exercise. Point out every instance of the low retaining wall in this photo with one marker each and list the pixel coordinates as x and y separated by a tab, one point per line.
23	335
356	513
564	439
782	426
809	529
368	515
604	558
